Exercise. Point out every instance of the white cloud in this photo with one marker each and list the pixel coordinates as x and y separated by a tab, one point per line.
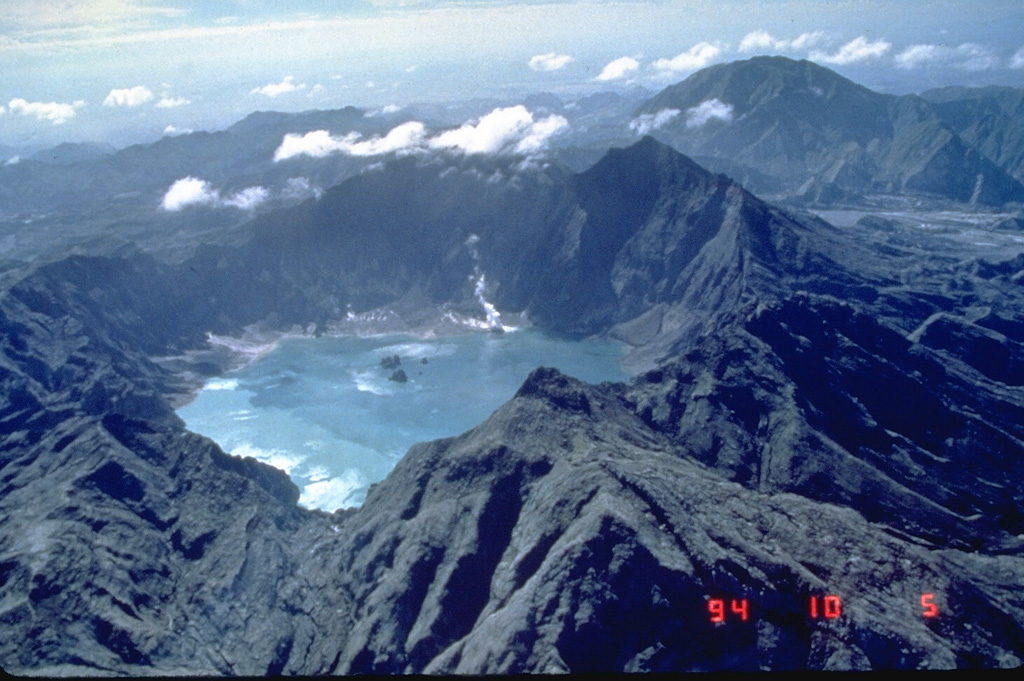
511	130
858	49
918	55
317	144
697	57
712	109
757	40
171	130
645	123
618	68
320	143
300	188
538	134
192	191
189	191
1017	60
967	57
172	102
3	110
276	89
248	198
974	57
13	161
763	40
508	130
383	111
132	96
55	112
549	62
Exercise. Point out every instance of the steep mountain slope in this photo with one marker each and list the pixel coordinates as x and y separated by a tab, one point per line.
644	230
832	414
824	136
990	119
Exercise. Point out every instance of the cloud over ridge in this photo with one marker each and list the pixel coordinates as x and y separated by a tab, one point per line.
697	57
857	50
406	137
763	40
193	191
645	123
509	130
712	109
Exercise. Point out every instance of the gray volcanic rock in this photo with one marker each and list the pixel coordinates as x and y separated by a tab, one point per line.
829	415
128	543
802	123
825	402
582	540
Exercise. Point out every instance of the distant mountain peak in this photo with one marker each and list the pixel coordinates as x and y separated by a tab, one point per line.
803	125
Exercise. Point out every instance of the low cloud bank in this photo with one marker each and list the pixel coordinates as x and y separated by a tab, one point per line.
645	123
320	143
510	130
298	188
712	109
192	191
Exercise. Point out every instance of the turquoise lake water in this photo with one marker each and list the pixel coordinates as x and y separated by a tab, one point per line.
325	411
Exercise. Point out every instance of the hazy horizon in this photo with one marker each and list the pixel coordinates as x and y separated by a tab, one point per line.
127	71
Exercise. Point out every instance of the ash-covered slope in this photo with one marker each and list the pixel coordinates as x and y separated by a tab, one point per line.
832	415
823	137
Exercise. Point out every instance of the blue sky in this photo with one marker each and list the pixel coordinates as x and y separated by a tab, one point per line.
122	71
